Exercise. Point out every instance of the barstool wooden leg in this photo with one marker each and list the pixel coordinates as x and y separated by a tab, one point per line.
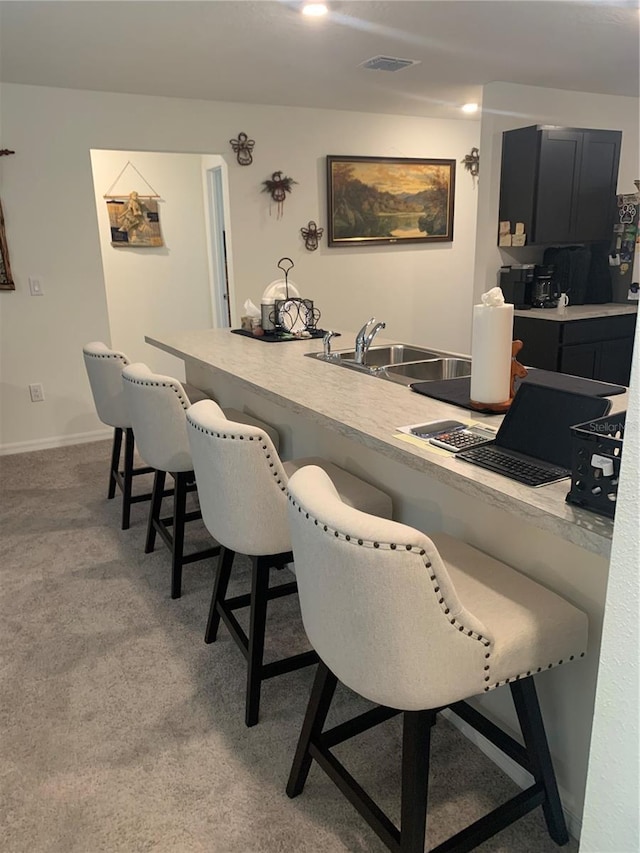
127	480
115	462
416	744
225	564
527	707
179	511
154	510
324	687
257	624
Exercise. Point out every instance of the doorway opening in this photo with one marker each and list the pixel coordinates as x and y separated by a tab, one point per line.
187	283
217	219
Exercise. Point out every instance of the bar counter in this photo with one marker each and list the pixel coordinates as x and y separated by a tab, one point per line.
351	419
368	410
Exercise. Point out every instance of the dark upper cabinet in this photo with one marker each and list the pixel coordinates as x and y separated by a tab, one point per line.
560	182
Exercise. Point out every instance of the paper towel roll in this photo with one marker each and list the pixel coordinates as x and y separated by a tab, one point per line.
491	353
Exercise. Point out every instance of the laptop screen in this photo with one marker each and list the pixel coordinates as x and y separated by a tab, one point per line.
539	420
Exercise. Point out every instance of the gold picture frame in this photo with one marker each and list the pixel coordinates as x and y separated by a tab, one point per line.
376	200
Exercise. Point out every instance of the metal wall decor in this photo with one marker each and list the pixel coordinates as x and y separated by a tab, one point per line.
472	162
242	148
311	236
278	186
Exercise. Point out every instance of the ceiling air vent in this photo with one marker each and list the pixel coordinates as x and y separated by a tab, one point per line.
388	63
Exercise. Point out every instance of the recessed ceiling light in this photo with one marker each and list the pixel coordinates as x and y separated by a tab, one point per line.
470	108
314	10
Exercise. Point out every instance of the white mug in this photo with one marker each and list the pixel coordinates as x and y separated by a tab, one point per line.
563	301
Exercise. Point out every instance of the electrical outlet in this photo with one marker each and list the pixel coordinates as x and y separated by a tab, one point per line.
37	392
35	285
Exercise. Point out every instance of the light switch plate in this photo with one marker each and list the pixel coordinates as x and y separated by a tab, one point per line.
35	285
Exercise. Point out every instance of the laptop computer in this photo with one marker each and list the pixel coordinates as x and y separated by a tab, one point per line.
533	444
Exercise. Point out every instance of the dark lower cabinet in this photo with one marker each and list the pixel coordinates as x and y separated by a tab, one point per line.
597	348
614	361
580	360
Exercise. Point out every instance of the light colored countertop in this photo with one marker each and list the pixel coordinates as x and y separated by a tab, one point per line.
369	410
580	312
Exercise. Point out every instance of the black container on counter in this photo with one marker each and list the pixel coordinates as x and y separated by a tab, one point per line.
516	283
596	456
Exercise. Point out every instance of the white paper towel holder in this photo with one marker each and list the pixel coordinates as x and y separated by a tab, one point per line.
517	370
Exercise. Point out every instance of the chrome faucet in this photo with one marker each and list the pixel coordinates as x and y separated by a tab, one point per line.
326	343
364	339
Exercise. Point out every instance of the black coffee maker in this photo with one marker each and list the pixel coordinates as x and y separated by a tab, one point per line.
544	291
516	283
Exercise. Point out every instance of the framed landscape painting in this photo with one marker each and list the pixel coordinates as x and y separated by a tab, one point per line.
374	200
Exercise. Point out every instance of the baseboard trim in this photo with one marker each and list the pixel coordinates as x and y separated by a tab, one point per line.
55	441
513	770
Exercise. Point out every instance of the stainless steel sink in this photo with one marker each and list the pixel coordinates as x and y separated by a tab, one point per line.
377	357
402	363
426	371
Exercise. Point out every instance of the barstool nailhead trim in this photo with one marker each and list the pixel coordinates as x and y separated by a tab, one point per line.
241	437
392	546
114	355
183	400
520	675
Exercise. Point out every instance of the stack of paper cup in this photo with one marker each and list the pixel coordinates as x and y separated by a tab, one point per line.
492	336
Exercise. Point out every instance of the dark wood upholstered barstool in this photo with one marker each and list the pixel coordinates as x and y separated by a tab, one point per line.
104	369
242	488
157	405
416	625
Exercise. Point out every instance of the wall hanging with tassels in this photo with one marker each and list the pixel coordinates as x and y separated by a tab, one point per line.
278	186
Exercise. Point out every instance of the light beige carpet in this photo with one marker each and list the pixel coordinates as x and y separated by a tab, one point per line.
123	731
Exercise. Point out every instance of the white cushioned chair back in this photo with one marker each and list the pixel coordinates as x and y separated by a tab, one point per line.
377	602
104	368
241	482
157	406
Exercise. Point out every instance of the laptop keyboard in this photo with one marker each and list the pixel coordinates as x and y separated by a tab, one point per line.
525	472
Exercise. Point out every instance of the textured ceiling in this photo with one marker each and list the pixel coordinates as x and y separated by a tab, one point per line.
266	52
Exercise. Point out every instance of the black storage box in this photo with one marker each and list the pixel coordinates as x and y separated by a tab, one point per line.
596	455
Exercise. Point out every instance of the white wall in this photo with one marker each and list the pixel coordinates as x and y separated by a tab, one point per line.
151	291
611	816
506	106
423	292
